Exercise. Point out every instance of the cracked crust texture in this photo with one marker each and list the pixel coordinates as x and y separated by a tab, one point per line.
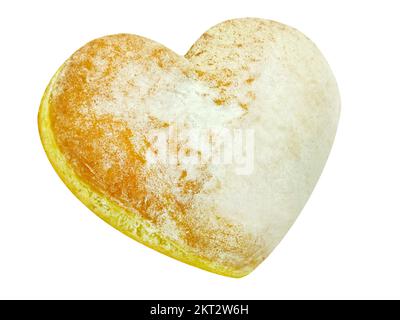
99	110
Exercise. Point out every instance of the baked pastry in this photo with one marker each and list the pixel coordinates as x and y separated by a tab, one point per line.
266	84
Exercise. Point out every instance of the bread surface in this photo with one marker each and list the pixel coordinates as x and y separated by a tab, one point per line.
100	109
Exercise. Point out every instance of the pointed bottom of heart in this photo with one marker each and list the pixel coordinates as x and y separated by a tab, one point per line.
126	222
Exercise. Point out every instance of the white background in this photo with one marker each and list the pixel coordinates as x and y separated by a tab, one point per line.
346	242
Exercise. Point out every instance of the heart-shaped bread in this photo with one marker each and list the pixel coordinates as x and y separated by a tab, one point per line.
264	83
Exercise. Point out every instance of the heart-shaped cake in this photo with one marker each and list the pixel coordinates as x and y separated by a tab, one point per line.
207	158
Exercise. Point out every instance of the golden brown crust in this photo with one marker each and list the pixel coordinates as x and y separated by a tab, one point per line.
100	150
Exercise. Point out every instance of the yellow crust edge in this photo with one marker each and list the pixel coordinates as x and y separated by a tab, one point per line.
130	224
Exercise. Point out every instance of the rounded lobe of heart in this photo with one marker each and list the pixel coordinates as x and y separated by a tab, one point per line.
101	108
